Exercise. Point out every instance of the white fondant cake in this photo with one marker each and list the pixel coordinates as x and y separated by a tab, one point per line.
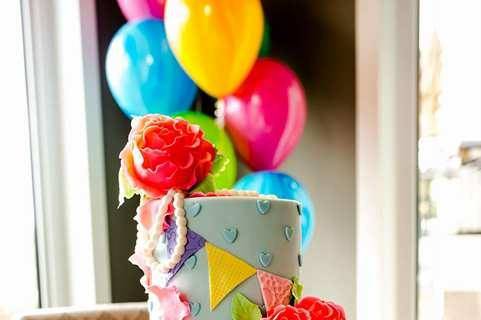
263	233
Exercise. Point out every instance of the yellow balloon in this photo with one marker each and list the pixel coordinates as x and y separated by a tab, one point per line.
215	41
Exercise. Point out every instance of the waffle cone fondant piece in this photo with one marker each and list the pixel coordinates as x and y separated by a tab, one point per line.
275	290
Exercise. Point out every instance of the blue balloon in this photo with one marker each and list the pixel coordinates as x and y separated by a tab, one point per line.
285	187
143	74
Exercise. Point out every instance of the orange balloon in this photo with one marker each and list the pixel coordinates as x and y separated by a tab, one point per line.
215	41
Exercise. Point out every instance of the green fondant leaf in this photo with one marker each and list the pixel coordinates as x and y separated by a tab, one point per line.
296	290
126	190
220	162
243	309
207	185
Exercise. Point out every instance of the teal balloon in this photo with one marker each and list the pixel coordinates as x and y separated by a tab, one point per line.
143	74
285	187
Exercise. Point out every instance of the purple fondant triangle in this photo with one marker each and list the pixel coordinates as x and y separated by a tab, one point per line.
194	243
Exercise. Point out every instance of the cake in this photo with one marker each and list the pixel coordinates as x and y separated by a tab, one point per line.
210	254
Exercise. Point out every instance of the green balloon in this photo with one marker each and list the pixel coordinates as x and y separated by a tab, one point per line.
219	138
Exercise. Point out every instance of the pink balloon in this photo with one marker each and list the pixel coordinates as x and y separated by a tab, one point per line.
266	115
142	9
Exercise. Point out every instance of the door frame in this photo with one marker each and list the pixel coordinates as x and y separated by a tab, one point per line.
386	158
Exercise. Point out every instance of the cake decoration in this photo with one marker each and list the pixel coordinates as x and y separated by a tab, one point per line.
138	260
178	249
321	310
193	210
265	258
275	290
229	193
163	153
243	309
191	262
161	252
230	234
263	206
308	308
225	273
195	308
297	289
194	243
148	210
284	186
287	312
288	232
170	305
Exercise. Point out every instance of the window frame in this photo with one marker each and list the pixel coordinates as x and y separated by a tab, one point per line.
67	151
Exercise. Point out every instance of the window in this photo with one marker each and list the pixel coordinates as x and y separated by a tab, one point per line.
52	188
18	271
449	207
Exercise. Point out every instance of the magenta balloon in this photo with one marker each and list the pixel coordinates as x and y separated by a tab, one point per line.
266	115
142	9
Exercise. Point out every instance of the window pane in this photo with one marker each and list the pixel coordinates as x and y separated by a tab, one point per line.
449	164
18	273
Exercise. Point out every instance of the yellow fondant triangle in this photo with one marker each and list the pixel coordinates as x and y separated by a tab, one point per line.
225	273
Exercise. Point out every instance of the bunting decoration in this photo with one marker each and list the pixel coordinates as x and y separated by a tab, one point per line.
226	272
276	290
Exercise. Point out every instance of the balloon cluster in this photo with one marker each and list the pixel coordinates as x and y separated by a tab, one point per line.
168	48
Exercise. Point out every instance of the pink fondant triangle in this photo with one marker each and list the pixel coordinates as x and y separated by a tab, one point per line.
275	290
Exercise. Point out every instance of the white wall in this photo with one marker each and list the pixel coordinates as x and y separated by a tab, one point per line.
324	58
324	163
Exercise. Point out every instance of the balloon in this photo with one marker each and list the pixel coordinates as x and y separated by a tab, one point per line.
266	115
216	41
142	72
284	187
142	9
217	136
266	41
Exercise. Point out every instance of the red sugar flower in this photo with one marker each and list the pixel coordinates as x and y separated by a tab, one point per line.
164	153
321	310
283	312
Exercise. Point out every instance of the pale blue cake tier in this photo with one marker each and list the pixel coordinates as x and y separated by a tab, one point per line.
258	230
